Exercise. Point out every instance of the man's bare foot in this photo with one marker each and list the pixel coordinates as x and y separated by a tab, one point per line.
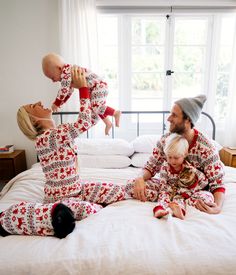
177	210
117	115
108	127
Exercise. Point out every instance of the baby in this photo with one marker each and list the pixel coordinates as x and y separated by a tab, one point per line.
52	219
57	70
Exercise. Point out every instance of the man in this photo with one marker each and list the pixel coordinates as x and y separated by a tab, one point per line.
202	154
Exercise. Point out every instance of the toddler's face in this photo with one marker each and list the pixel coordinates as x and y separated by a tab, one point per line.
175	161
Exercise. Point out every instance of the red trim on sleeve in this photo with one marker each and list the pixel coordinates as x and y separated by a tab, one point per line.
57	102
84	92
220	189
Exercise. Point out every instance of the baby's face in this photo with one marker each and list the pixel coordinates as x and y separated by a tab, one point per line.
53	73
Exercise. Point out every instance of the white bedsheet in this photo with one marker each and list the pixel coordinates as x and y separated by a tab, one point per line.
123	238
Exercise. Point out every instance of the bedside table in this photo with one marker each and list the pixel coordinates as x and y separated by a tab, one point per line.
228	156
11	164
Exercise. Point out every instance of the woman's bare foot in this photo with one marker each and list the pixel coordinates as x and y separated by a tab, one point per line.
177	210
117	115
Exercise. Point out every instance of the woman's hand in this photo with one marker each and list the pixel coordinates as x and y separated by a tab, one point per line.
140	189
78	77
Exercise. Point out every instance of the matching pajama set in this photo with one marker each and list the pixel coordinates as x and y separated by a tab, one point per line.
57	154
36	218
97	87
185	186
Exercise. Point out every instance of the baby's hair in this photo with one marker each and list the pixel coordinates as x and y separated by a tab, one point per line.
176	145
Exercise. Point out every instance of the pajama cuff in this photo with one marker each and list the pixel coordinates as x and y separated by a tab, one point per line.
108	112
220	189
84	92
156	208
57	102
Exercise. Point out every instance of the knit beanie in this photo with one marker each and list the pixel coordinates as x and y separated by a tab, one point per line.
192	106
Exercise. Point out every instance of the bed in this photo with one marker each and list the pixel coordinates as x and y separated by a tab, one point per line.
123	238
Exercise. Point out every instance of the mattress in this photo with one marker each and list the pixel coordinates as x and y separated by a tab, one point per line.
124	237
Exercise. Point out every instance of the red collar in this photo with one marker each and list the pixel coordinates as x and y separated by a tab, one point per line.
194	139
173	171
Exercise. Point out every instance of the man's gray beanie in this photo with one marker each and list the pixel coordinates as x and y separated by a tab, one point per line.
192	106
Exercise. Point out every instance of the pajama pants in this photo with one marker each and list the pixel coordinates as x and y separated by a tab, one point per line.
154	194
152	189
180	199
101	192
98	100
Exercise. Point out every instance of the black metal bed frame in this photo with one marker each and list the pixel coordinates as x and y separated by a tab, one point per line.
138	113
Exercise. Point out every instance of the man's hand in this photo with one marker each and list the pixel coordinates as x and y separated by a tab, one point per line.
140	189
78	77
210	208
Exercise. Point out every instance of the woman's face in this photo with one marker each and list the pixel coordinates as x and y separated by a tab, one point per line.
38	110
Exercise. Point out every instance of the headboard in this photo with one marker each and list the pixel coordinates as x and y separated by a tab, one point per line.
139	114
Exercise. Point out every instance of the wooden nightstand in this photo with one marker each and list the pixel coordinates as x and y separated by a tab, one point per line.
228	156
10	165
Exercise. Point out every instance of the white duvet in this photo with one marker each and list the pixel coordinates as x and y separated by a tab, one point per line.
123	238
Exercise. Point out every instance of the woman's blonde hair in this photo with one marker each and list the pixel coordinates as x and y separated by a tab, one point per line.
26	125
176	145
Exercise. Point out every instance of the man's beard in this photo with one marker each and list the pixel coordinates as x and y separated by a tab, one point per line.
178	129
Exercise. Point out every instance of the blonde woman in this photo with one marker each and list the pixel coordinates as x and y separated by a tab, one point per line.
180	182
57	152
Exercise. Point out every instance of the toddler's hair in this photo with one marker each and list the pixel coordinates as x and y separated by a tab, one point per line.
63	221
176	145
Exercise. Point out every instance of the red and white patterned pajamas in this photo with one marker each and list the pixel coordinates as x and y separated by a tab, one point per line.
58	158
36	218
183	187
97	87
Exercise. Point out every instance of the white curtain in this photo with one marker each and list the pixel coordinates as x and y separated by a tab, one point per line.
230	125
78	38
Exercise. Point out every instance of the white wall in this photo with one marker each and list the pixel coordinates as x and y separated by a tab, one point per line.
28	30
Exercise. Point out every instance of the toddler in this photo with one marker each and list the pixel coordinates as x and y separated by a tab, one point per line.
180	182
56	69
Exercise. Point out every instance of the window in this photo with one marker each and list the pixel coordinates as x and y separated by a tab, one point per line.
149	61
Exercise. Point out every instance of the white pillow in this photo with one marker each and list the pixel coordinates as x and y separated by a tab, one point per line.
104	146
140	159
105	161
145	143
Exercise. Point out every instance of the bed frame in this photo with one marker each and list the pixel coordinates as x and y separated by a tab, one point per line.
138	114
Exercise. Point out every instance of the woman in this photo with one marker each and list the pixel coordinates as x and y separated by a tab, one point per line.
57	152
